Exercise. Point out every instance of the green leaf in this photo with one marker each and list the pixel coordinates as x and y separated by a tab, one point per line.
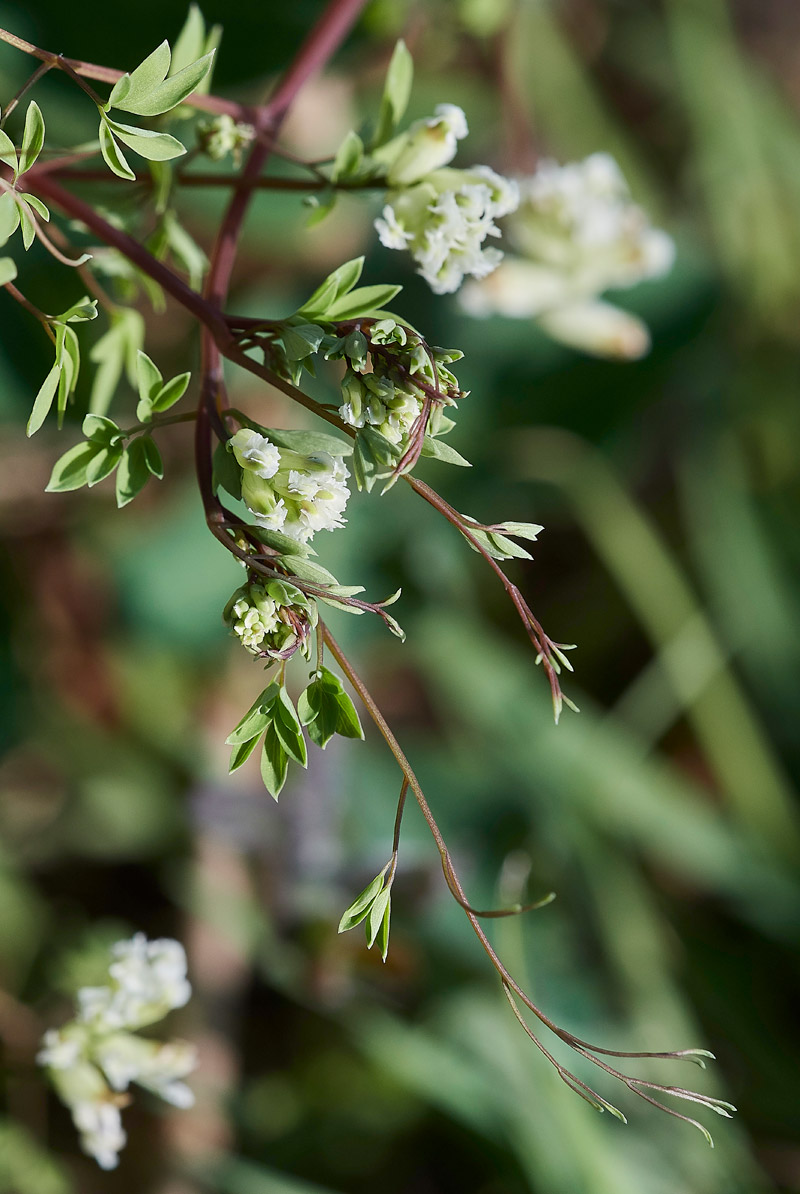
396	94
152	457
9	216
360	906
226	474
308	443
495	544
155	146
112	154
8	270
171	393
148	378
241	753
376	914
523	530
115	354
69	471
274	763
100	429
81	312
28	226
185	248
363	301
276	539
374	458
68	357
142	82
43	401
320	706
35	202
335	286
256	719
287	728
382	938
442	451
191	41
302	340
307	569
349	158
104	463
348	724
32	137
150	93
132	474
8	153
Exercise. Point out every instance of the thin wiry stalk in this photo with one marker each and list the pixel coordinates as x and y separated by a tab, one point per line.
511	986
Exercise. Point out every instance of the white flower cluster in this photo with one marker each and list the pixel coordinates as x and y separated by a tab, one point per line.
93	1058
441	215
288	491
579	234
272	619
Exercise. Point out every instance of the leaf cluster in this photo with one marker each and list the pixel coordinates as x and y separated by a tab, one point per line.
324	708
373	906
105	450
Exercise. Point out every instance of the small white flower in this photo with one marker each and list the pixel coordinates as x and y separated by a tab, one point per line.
61	1048
102	1134
444	220
255	453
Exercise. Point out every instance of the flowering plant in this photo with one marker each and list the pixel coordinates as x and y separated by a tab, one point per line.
267	492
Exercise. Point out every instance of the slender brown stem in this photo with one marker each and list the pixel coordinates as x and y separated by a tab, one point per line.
20	298
30	82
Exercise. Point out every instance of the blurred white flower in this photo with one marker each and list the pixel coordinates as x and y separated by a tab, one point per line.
578	233
90	1061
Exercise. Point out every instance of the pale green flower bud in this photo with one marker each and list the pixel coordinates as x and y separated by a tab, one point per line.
427	145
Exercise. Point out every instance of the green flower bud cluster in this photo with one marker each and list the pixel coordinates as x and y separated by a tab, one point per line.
224	135
273	619
389	397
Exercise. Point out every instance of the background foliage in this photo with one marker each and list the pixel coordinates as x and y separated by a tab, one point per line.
662	815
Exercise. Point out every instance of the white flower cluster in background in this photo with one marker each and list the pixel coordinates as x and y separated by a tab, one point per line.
288	491
441	215
93	1059
578	233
